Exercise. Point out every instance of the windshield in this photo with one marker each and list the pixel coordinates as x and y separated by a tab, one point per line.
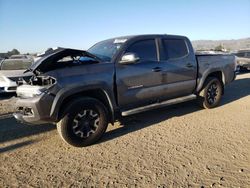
15	64
105	50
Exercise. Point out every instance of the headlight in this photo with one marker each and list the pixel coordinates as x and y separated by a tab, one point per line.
28	91
38	91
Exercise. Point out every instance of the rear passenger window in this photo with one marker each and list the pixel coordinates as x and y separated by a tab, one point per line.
175	48
145	49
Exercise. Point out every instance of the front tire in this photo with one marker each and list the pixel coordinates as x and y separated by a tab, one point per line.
210	95
84	122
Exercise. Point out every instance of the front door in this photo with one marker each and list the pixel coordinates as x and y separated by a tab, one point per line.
137	83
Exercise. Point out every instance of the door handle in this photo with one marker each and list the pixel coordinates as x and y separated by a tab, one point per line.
156	69
189	65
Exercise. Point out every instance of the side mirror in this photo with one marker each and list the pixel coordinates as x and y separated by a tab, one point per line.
129	58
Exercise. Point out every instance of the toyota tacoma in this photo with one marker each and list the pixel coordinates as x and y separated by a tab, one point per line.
83	91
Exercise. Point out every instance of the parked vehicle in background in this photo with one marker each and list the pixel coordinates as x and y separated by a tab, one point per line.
20	56
11	72
243	59
83	91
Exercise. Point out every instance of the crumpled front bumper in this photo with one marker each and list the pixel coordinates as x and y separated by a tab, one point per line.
35	110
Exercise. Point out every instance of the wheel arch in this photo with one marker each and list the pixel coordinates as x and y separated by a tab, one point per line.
97	93
217	74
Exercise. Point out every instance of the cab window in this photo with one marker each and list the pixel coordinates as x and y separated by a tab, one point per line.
175	48
145	49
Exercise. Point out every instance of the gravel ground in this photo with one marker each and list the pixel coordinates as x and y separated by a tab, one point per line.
178	146
6	103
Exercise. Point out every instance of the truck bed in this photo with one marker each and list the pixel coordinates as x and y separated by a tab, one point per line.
220	62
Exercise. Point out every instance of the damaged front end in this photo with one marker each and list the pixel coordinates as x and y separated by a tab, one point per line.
42	81
35	86
35	99
60	58
36	95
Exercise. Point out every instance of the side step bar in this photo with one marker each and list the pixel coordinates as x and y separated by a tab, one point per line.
160	104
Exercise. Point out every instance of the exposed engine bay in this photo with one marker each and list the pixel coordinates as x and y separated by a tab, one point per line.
62	58
41	80
56	59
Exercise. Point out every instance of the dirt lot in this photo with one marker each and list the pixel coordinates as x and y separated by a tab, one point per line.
179	146
6	103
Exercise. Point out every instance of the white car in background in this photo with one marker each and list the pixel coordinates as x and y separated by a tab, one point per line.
243	59
20	56
11	72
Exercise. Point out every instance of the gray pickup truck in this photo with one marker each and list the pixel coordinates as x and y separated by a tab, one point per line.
83	91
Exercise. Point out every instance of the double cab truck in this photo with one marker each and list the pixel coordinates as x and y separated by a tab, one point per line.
83	91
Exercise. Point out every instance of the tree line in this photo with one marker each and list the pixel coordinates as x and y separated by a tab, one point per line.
9	53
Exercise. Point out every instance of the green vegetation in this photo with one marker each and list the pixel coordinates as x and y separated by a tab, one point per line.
219	48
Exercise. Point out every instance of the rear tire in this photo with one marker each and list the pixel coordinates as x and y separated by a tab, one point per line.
84	122
210	95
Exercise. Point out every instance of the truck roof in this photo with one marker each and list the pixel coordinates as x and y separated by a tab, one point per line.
147	36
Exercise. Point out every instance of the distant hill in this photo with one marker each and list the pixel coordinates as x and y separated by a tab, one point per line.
228	44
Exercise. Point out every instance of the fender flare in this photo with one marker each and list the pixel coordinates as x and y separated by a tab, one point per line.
66	93
205	75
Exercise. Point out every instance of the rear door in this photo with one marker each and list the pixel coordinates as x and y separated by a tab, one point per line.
137	83
179	67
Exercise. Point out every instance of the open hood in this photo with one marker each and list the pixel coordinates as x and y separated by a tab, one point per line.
49	61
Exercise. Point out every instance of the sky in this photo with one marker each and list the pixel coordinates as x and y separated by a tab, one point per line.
35	25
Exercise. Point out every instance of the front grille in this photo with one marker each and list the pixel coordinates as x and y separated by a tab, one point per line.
11	88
